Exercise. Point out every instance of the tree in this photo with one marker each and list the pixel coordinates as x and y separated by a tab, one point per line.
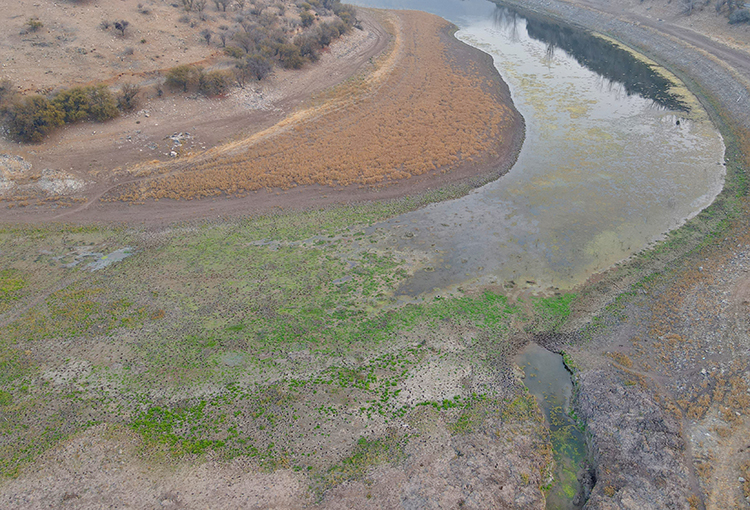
253	66
183	77
290	56
223	34
221	5
206	34
7	94
731	5
32	118
199	5
214	83
128	97
187	5
179	77
307	18
740	16
240	4
102	105
121	26
73	104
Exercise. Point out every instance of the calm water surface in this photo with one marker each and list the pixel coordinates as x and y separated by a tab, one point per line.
607	166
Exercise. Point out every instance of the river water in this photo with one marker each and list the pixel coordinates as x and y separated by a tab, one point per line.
610	163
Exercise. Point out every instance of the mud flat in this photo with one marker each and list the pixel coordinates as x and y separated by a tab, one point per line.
264	362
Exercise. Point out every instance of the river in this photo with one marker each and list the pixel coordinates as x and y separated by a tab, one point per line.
610	163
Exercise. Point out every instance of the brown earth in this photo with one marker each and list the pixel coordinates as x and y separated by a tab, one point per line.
72	48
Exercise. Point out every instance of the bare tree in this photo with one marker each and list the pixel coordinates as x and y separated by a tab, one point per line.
223	34
128	97
221	5
731	5
199	5
252	67
206	34
187	5
240	5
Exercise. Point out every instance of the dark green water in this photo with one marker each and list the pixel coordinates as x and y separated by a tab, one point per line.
549	381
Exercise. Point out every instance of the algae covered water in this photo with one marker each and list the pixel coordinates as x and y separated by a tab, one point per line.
549	381
617	153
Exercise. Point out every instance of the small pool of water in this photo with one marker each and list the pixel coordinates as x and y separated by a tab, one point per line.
549	381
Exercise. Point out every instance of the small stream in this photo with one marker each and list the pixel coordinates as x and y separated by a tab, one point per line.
549	381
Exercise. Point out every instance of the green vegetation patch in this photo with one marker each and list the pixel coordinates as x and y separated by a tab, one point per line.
12	283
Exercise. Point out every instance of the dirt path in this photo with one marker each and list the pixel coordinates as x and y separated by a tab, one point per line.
91	151
734	59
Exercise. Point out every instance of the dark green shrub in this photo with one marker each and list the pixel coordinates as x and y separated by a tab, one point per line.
94	102
214	83
183	77
308	45
234	51
102	104
740	16
73	104
290	56
32	118
307	18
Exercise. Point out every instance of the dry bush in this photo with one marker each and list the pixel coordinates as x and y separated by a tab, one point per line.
423	116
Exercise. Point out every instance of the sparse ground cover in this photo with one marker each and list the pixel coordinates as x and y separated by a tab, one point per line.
77	42
252	339
662	370
432	108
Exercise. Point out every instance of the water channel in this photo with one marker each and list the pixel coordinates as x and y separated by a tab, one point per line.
614	158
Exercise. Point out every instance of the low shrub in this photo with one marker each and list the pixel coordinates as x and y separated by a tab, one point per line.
94	102
214	83
739	16
33	118
183	77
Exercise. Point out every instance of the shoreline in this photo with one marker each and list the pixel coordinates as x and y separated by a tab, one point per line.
638	333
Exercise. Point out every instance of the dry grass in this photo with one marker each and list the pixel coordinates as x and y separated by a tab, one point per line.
423	114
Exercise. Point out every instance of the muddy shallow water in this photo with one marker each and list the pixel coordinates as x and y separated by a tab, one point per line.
603	171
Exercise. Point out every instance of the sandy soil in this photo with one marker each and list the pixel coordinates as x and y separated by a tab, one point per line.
73	48
92	149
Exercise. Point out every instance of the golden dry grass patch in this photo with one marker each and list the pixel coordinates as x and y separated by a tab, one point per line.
419	112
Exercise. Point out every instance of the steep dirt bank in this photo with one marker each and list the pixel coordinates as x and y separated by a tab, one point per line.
663	381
